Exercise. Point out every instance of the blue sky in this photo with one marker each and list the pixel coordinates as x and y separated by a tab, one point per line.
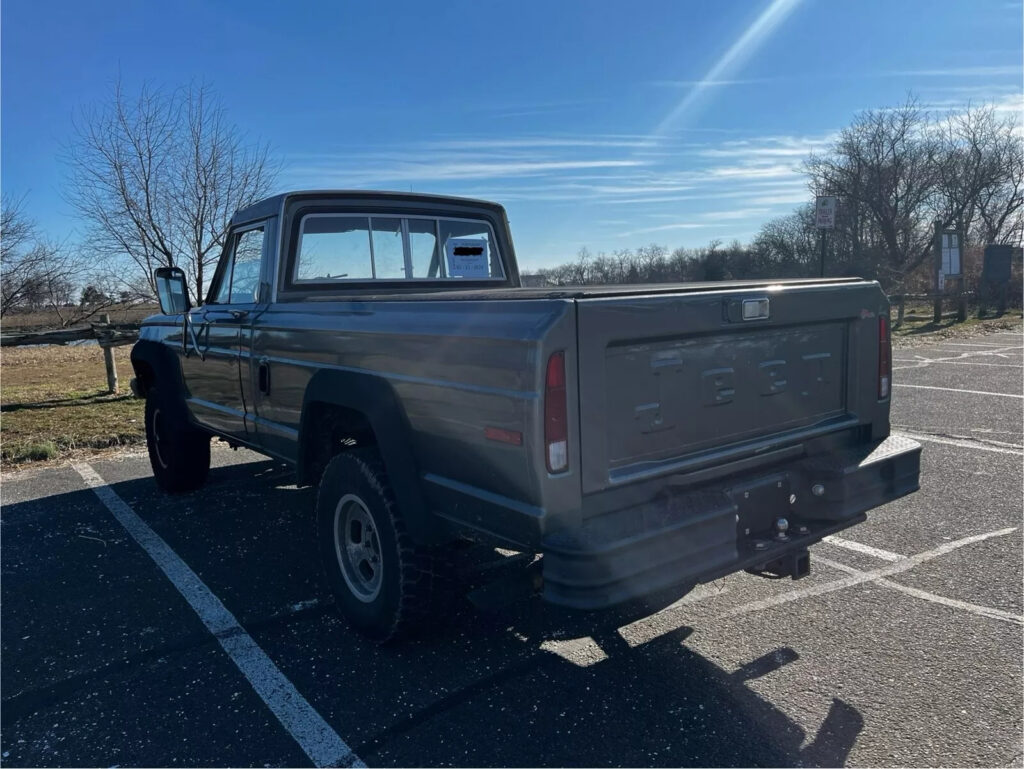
598	124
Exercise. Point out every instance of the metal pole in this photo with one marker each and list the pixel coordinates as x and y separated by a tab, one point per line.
821	257
937	314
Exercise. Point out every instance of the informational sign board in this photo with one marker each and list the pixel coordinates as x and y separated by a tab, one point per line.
950	264
468	258
825	212
998	264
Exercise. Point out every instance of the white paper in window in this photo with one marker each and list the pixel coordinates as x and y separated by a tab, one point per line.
468	258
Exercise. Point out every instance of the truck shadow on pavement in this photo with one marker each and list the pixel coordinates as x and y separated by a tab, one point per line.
477	689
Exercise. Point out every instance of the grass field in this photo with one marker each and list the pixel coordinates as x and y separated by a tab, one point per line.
46	320
54	402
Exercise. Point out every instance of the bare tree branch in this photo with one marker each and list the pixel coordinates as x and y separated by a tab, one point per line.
158	178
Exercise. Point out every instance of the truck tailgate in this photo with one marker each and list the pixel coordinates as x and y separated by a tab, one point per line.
670	384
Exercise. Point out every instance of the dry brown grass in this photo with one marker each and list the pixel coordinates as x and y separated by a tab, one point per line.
44	320
54	401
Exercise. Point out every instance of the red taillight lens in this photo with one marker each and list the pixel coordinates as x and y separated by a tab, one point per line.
556	430
884	358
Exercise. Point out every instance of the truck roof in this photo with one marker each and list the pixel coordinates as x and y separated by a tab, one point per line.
272	205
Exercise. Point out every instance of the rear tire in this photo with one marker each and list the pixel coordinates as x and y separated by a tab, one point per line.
178	452
382	582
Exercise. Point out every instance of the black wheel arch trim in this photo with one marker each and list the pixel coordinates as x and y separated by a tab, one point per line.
375	399
165	370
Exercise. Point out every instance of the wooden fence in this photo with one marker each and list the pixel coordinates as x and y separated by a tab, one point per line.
108	335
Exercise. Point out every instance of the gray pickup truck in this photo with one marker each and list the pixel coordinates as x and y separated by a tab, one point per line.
642	439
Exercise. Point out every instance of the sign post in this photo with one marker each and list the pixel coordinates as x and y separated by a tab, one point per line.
824	219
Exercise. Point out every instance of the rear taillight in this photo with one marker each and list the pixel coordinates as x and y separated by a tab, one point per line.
556	430
884	358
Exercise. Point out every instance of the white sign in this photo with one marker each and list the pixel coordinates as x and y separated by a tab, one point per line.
468	258
950	255
825	212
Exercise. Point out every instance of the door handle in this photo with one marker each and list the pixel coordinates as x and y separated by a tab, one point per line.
263	376
239	314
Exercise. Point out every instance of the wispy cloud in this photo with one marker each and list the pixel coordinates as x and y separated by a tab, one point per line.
662	228
1014	69
419	171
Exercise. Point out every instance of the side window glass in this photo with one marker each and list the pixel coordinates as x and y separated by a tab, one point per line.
223	294
248	260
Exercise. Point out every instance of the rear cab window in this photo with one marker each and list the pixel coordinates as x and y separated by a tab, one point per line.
352	248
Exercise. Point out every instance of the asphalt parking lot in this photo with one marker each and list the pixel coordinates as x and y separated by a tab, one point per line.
140	629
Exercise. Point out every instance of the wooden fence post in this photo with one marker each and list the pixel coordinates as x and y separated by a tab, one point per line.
900	307
108	360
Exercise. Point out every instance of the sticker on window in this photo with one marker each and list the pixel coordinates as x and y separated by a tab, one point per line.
468	258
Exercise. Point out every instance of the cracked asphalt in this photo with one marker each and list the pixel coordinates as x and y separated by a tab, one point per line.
873	660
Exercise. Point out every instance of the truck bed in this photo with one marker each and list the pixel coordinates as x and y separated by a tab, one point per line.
446	294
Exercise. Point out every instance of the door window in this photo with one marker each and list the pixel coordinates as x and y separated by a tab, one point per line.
240	277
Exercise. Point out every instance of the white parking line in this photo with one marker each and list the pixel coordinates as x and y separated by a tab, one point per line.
973	608
955	390
922	361
865	576
964	443
857	547
923	364
316	738
971	344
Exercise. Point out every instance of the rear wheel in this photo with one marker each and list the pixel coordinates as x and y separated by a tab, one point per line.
382	582
178	453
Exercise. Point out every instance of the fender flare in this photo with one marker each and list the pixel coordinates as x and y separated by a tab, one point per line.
374	398
166	374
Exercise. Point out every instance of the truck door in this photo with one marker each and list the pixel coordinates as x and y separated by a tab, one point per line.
214	371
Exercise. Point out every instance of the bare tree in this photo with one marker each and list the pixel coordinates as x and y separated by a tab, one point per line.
898	171
886	163
33	273
158	178
988	174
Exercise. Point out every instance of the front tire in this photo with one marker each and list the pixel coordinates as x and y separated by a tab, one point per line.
382	582
178	453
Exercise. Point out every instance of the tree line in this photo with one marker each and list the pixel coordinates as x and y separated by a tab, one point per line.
896	173
155	178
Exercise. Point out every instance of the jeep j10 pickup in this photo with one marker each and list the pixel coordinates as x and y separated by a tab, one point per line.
641	439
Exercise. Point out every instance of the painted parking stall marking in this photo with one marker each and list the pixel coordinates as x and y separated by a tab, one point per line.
306	726
956	390
952	603
966	443
904	564
857	547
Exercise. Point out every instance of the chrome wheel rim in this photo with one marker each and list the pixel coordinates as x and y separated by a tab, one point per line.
357	547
